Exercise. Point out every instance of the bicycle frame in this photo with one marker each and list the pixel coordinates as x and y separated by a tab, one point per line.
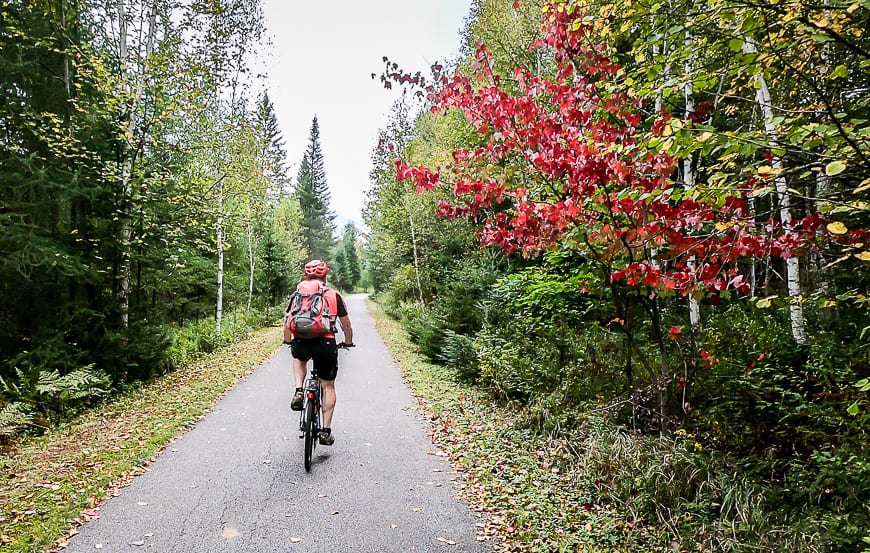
309	419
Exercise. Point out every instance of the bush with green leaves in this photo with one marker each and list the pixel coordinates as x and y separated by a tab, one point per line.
427	329
458	353
198	337
785	409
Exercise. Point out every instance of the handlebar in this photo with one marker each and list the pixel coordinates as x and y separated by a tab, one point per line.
340	345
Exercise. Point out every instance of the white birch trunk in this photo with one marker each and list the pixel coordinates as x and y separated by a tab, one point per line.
251	262
689	178
220	255
763	98
416	259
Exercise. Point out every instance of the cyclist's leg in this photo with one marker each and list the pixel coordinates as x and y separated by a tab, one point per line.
301	354
299	369
326	363
328	402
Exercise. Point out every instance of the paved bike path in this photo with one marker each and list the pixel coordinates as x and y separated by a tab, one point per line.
236	483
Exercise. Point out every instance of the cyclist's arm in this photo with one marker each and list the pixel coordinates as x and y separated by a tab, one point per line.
347	329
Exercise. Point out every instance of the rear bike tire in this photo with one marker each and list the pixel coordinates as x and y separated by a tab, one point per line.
310	432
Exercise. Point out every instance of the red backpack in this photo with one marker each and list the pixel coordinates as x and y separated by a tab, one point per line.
311	312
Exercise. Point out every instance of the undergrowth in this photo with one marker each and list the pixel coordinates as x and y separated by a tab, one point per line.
53	482
590	484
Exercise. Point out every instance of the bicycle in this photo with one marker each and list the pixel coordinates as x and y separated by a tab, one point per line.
309	418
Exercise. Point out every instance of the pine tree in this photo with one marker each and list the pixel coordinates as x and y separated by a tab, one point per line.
312	193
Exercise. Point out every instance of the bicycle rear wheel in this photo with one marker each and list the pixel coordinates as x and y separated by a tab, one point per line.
310	432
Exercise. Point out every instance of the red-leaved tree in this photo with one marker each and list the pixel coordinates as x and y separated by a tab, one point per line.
569	161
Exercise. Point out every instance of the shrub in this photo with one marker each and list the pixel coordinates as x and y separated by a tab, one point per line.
457	352
426	329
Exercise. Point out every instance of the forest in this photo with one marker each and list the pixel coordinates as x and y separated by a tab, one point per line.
146	210
642	226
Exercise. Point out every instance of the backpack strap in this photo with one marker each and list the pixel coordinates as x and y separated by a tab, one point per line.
330	296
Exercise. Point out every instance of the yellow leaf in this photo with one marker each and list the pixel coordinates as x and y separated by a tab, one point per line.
863	256
837	228
667	131
705	136
766	171
865	184
722	225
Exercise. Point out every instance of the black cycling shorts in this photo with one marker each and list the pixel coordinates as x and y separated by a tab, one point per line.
323	351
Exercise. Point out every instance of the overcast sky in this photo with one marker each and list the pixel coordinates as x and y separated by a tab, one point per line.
322	56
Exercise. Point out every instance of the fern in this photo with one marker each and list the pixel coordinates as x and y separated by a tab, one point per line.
14	417
79	384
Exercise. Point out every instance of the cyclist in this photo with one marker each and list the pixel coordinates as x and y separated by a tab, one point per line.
323	351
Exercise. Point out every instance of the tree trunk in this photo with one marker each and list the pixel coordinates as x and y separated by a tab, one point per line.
416	259
251	262
763	98
220	255
128	152
689	179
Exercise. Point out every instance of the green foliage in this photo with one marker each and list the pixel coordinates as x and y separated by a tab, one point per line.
346	272
42	396
85	458
15	417
728	436
197	338
312	193
426	328
458	353
114	173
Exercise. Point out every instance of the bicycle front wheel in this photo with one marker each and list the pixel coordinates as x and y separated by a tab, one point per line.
310	432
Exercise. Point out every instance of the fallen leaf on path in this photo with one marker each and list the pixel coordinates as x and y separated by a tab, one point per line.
98	546
394	526
141	503
139	543
335	512
445	540
295	540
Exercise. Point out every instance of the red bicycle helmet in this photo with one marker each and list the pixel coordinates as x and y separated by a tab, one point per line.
316	269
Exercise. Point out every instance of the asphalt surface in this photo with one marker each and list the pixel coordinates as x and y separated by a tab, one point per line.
236	482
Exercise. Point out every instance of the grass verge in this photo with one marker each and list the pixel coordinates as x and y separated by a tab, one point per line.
533	493
52	484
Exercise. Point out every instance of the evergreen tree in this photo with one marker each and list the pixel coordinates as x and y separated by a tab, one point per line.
354	271
347	265
272	154
312	193
54	138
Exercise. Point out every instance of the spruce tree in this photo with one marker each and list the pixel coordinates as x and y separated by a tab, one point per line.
312	193
347	263
272	154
